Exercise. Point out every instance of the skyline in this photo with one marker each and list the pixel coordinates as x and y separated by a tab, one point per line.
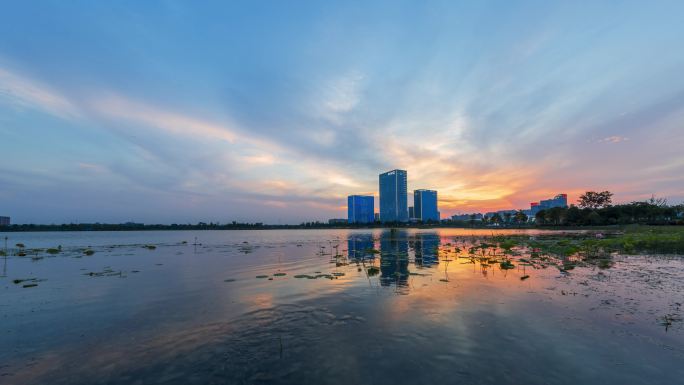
168	112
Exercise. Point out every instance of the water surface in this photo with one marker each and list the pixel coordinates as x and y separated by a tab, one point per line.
334	307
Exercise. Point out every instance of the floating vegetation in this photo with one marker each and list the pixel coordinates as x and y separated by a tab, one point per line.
524	277
305	276
507	265
28	280
229	280
88	252
52	251
338	274
107	272
150	247
604	263
372	270
30	285
262	276
669	319
279	274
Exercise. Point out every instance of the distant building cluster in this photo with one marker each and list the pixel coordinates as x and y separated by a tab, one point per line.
393	186
4	221
560	200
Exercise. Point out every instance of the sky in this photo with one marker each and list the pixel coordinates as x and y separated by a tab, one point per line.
275	111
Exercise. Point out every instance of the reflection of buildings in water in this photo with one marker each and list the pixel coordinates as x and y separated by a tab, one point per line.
394	258
359	245
426	246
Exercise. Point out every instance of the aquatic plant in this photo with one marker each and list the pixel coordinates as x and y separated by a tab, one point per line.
52	251
88	252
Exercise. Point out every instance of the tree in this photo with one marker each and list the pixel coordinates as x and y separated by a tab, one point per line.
595	200
555	215
496	218
520	217
507	217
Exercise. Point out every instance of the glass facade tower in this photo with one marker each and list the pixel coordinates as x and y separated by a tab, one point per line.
425	205
393	196
360	209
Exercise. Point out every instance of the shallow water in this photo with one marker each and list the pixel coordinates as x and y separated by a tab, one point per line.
195	312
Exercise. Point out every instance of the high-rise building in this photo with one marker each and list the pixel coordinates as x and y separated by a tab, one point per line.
393	196
360	209
412	213
425	205
4	221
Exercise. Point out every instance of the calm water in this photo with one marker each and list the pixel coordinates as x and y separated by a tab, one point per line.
192	311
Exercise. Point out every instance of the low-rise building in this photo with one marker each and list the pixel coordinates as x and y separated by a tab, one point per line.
467	217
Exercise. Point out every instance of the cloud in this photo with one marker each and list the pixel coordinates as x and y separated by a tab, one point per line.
340	96
171	122
613	139
21	92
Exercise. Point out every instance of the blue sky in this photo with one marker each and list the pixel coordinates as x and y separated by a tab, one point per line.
180	111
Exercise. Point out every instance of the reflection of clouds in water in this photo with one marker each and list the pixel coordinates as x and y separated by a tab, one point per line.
344	330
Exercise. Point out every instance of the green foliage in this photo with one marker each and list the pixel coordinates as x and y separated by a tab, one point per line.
652	211
595	200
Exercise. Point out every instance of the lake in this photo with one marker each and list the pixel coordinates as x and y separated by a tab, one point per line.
331	307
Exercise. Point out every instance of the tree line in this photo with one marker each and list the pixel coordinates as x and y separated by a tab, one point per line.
596	209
